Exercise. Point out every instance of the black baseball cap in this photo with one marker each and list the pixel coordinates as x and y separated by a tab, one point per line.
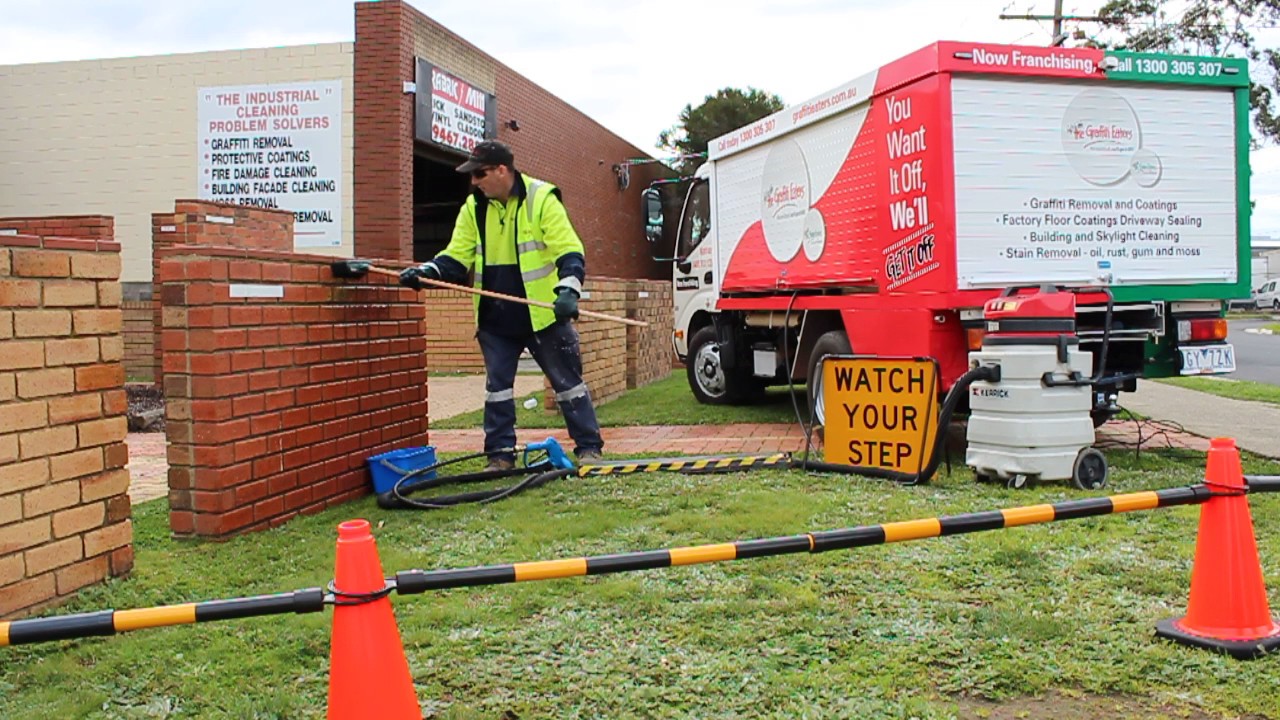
489	152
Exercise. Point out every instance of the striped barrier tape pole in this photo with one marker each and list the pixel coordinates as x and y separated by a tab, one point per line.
408	582
688	465
110	622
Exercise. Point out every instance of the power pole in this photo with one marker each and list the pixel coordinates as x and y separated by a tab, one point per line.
1057	17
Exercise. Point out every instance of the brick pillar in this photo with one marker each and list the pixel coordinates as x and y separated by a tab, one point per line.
273	404
64	511
204	222
649	349
383	131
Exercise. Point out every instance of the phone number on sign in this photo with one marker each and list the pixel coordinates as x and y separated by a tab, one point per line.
1188	68
452	138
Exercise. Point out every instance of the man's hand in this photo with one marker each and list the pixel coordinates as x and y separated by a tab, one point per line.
566	305
412	277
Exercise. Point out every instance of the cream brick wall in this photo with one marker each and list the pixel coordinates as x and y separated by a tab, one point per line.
118	137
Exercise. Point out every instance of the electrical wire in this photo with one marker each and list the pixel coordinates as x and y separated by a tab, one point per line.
1149	433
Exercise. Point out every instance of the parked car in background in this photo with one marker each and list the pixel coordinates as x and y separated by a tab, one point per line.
1266	297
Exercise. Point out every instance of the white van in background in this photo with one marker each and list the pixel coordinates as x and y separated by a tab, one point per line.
1266	297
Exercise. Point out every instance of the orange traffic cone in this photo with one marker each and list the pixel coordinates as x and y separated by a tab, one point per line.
368	673
1228	609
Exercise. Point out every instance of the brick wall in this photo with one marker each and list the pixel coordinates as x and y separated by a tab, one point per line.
615	357
383	132
451	333
388	35
608	219
273	404
204	222
649	352
64	511
604	342
85	227
139	340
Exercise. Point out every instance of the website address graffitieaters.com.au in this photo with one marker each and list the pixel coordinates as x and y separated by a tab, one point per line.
818	106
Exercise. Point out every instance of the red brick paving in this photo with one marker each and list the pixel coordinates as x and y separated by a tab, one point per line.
750	438
148	465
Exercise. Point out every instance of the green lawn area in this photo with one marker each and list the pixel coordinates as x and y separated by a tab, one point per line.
922	629
666	402
1228	388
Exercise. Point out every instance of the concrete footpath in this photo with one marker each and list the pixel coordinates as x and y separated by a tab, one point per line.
1254	425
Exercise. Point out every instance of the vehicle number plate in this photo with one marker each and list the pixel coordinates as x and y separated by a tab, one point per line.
1208	360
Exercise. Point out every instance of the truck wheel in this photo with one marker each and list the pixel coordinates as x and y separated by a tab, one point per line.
832	342
710	382
1090	470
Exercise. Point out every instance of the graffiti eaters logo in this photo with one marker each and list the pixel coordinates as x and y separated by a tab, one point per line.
1102	139
786	196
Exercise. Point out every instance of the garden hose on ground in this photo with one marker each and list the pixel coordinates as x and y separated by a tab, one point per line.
553	463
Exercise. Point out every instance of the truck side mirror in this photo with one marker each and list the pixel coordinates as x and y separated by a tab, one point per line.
652	201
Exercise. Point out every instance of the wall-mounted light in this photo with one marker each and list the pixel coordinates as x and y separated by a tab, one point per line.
513	126
622	172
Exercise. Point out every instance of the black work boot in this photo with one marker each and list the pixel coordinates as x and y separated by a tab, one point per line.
497	463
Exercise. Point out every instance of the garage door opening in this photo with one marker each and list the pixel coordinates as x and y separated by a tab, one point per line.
438	194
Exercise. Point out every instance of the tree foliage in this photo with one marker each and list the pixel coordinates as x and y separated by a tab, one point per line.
1204	27
726	110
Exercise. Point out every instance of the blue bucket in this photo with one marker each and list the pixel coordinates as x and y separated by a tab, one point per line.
389	467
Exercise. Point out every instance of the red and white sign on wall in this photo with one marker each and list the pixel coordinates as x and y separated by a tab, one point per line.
451	111
275	146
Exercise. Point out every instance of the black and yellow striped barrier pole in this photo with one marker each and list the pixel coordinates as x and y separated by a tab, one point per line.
417	581
111	622
409	582
686	465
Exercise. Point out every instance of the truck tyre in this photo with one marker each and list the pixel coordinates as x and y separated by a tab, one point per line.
832	342
710	382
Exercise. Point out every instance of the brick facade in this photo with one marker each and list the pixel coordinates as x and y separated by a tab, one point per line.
615	357
555	142
139	340
274	404
649	350
64	511
204	222
84	227
384	132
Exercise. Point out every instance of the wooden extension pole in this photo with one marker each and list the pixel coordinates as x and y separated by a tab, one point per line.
500	296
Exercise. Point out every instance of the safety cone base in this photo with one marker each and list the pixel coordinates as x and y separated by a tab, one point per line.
1247	649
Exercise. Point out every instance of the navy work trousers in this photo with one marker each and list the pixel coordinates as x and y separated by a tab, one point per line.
556	351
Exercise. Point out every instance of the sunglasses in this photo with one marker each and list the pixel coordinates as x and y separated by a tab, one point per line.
480	173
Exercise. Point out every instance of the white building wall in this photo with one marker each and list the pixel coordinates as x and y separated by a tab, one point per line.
119	137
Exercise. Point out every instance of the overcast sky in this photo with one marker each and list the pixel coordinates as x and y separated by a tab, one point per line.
631	66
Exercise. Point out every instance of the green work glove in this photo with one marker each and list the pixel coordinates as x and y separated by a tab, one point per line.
566	305
411	277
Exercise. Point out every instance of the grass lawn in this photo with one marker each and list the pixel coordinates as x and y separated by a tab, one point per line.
924	629
666	402
1228	388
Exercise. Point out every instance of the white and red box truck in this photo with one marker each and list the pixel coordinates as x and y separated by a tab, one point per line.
878	218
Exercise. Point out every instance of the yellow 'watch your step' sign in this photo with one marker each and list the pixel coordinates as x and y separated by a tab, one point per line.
879	412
